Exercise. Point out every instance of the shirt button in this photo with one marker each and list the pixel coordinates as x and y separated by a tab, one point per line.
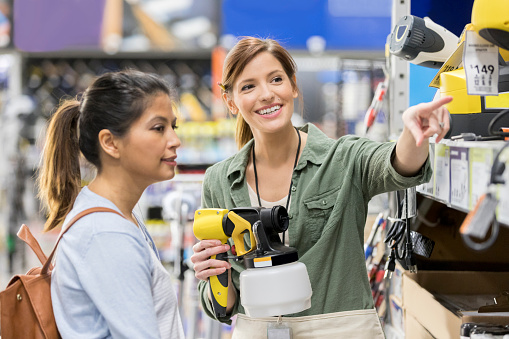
294	188
324	202
290	215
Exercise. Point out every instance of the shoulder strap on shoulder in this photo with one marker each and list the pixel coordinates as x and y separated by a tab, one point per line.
47	264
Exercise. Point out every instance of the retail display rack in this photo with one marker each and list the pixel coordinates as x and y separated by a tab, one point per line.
461	175
48	77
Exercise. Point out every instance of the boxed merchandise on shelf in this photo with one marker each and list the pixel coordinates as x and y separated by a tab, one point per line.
460	181
440	301
461	174
441	172
481	160
503	195
427	188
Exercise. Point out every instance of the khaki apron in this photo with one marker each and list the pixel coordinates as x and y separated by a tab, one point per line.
350	324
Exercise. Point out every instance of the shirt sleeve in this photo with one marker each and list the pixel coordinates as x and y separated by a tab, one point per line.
206	195
378	174
116	274
203	287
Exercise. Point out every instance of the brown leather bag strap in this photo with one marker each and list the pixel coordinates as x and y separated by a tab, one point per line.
78	216
27	236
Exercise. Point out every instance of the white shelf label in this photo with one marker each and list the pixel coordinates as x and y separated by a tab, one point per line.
459	177
430	185
442	172
503	195
480	171
480	60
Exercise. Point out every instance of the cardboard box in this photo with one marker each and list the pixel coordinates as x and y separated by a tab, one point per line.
414	329
422	291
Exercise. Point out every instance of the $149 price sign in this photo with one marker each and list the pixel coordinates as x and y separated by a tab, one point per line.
480	60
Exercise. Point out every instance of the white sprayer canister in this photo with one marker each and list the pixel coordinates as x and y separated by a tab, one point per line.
275	290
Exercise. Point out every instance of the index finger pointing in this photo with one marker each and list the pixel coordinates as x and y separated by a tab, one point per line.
433	105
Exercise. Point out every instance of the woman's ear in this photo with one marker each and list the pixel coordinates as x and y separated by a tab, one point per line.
295	89
229	102
108	143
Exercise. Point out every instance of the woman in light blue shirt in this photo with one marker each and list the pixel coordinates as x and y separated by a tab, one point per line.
108	281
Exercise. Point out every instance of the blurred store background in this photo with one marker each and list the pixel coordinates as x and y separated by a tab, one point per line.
52	49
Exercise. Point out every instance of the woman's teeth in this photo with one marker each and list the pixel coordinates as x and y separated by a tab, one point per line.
269	110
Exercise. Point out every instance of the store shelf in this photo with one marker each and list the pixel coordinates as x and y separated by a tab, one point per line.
461	174
100	54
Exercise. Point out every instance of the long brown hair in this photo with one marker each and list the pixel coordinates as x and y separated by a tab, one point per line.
239	56
59	175
114	101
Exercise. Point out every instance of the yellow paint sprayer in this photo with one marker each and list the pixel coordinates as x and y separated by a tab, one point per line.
268	263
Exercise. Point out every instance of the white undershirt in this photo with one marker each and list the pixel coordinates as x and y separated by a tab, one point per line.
269	204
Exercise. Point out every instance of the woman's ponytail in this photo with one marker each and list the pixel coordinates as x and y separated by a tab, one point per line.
243	132
59	178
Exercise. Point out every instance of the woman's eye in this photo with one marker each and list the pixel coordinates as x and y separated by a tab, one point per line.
174	127
159	128
246	87
277	79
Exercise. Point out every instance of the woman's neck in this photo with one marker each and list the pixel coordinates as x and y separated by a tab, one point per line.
112	187
276	148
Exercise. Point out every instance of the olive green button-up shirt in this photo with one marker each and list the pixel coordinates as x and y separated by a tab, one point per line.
333	183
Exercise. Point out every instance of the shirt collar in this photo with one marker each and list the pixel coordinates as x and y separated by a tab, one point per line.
315	151
317	146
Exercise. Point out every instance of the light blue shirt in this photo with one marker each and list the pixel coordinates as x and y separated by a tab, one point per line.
108	282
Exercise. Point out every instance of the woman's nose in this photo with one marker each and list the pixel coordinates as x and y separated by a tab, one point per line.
173	140
267	94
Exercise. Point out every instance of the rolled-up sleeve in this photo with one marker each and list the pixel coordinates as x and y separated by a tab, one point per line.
378	174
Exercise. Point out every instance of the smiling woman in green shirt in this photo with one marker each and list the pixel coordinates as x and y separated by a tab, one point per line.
327	184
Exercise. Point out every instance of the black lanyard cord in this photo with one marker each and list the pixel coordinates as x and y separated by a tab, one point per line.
291	181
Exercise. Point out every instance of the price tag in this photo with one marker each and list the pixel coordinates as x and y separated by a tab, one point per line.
480	172
442	172
431	156
503	195
459	177
480	60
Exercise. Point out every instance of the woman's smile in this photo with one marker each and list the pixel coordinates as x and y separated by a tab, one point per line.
270	111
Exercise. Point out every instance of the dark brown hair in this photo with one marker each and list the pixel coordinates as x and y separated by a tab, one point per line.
239	56
113	102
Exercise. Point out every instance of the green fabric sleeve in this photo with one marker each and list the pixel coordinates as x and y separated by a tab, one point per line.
206	194
203	287
379	174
